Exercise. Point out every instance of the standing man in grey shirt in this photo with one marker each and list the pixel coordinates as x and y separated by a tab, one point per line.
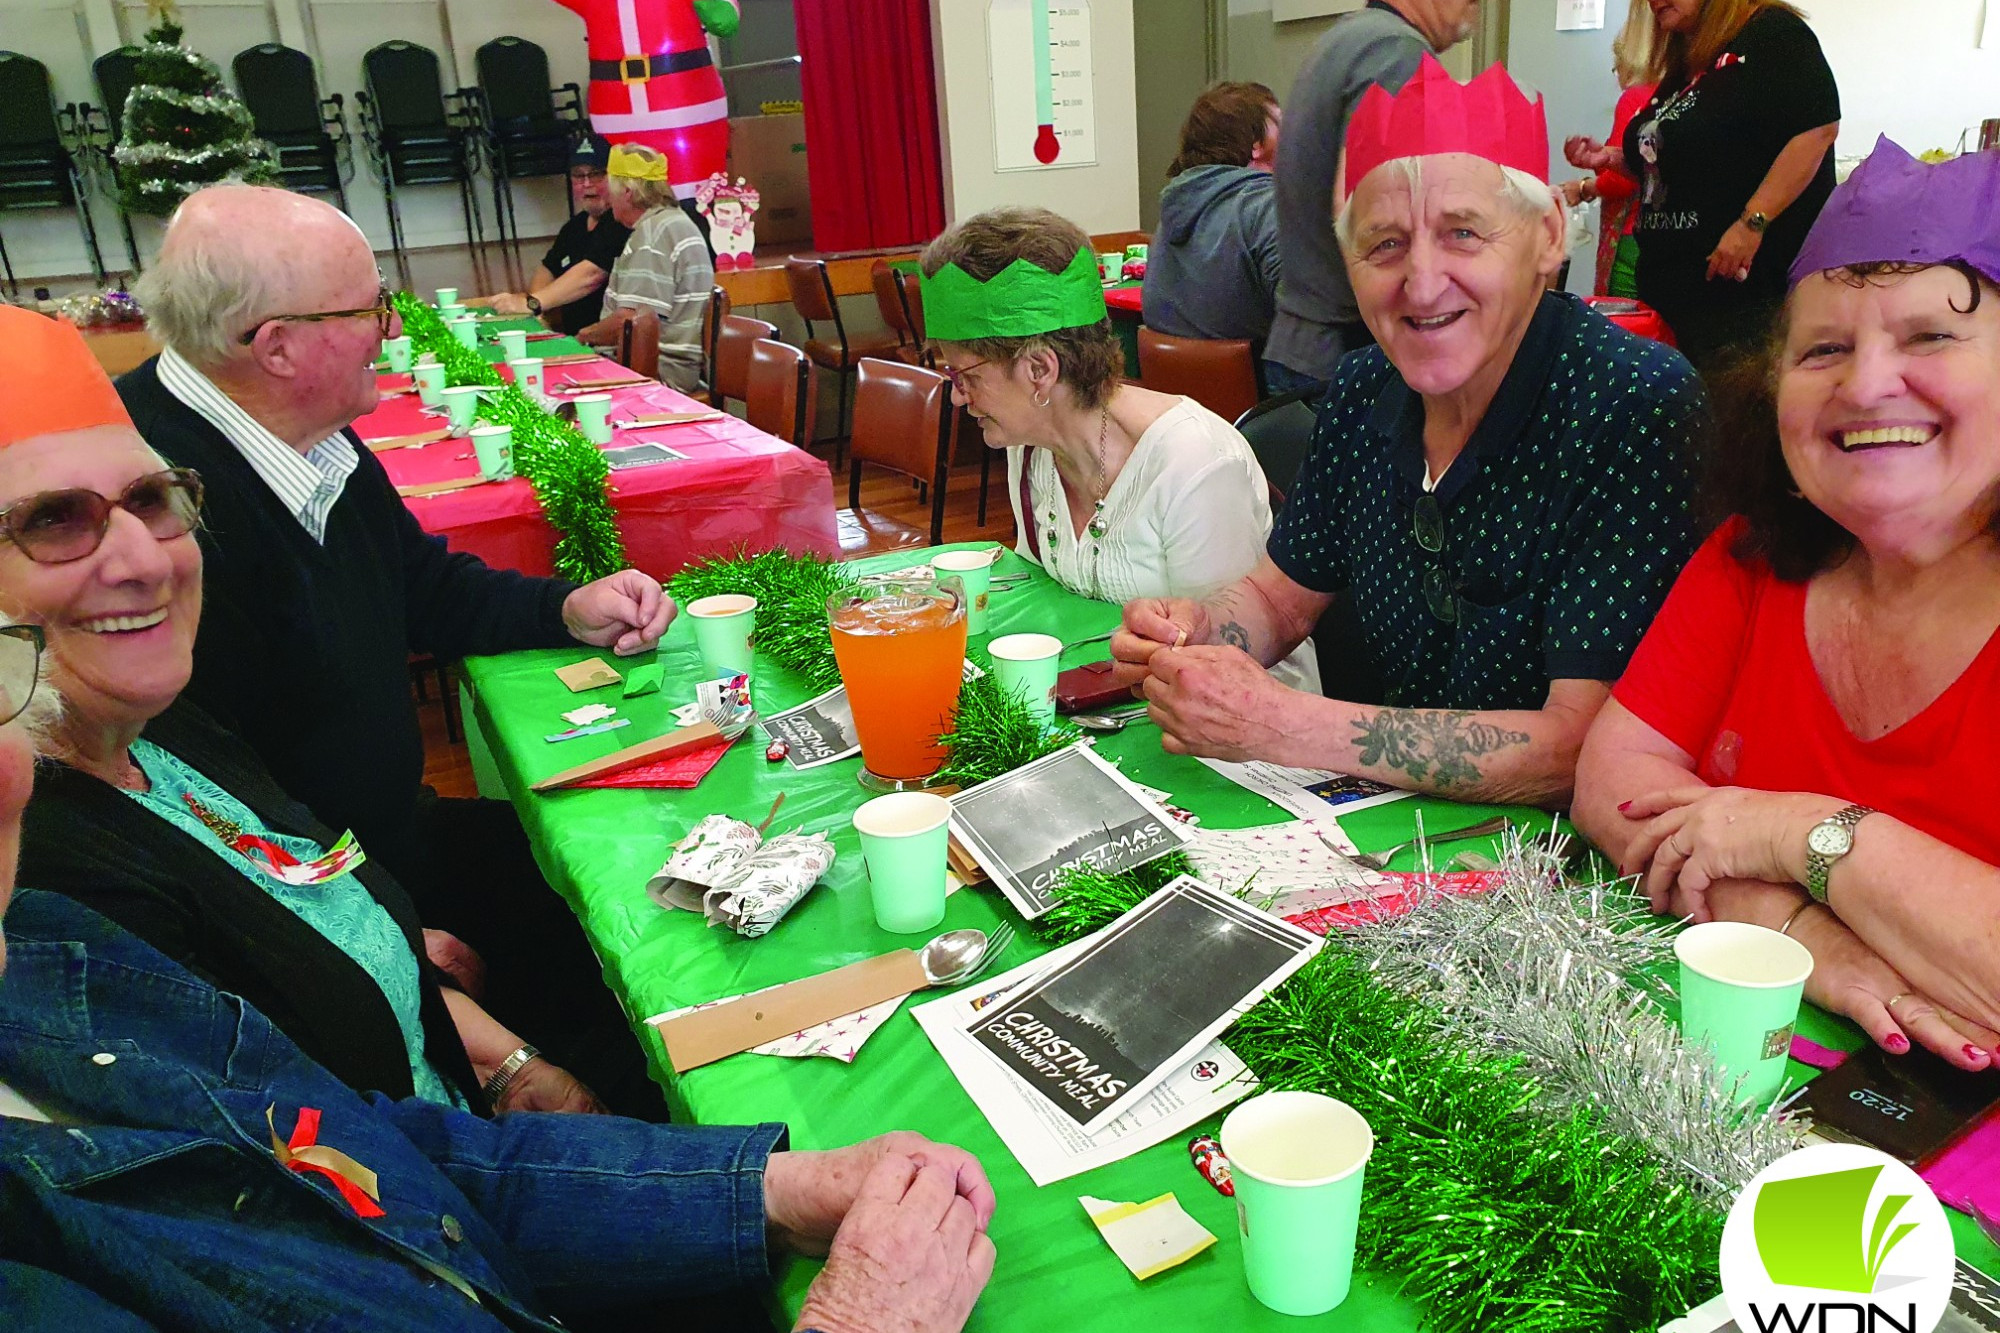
1317	319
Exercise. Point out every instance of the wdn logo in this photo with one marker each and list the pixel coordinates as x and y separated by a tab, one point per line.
1837	1238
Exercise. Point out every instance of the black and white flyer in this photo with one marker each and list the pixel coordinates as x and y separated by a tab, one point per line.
1065	809
818	731
1096	1033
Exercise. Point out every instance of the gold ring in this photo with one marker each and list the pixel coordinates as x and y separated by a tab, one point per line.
1891	1006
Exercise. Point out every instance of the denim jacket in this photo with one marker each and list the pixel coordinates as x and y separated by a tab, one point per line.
156	1198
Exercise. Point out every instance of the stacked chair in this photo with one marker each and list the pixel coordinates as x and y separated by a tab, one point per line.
39	148
308	132
529	127
417	134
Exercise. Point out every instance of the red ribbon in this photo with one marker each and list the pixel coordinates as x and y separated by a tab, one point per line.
305	1135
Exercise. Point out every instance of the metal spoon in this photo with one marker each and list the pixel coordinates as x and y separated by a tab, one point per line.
1485	828
1109	723
960	955
1095	638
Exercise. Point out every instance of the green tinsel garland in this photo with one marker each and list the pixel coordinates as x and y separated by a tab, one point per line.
994	732
791	592
568	473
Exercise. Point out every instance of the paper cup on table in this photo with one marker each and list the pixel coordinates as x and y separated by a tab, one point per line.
1297	1159
974	569
429	377
527	374
466	329
513	343
494	447
399	351
1111	266
593	416
1025	664
903	840
448	313
722	626
447	296
1740	991
463	404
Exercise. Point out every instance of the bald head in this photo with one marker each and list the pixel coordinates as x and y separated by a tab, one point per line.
238	254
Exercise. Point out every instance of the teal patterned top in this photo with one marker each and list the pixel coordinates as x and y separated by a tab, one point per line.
341	908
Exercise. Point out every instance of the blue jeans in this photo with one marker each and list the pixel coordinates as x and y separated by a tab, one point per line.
1281	379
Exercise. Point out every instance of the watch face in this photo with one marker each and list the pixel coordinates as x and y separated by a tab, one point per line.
1830	839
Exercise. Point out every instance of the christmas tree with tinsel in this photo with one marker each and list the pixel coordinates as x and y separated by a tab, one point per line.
183	129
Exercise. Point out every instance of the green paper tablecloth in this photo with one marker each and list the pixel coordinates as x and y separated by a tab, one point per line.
599	848
489	347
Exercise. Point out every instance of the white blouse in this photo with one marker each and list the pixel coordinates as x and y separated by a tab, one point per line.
1187	516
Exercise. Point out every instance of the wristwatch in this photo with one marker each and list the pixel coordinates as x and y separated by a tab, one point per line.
1827	842
1756	222
496	1087
535	306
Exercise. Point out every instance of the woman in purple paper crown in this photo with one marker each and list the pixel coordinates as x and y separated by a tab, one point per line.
1805	738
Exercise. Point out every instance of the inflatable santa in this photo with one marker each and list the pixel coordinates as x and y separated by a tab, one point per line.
653	82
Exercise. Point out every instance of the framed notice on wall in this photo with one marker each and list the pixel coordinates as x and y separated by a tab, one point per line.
1044	94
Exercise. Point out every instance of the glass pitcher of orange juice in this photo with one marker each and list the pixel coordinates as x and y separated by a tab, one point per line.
900	643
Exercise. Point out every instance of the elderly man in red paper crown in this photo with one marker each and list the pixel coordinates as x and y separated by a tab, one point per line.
653	82
1498	491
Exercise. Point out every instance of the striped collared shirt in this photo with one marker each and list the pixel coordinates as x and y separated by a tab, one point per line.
307	484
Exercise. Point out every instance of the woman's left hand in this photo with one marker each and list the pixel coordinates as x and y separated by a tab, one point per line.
541	1086
1732	257
1694	836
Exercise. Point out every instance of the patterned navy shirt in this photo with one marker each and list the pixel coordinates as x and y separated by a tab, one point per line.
1564	520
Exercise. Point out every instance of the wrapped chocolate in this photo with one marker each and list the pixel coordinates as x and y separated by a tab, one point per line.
733	877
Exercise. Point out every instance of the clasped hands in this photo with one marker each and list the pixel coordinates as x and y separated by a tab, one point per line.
902	1223
1208	698
626	612
1695	839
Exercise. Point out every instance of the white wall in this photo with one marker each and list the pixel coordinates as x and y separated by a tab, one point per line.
1910	69
1099	198
66	35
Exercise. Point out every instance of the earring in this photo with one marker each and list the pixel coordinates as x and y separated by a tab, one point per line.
1042	401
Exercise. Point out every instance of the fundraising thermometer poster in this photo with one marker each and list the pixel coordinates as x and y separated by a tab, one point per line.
1044	99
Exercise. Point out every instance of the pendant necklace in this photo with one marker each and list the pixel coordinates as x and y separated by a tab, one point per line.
1099	525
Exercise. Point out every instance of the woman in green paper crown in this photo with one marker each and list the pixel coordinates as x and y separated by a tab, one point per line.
1118	492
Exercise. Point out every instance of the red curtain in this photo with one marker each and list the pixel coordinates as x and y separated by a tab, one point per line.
871	122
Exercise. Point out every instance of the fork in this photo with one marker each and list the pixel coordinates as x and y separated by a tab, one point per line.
1485	828
996	944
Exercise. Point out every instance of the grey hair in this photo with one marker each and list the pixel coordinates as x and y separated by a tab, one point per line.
649	195
202	293
1526	196
42	718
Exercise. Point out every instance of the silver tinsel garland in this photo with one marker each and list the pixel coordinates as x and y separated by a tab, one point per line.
1544	970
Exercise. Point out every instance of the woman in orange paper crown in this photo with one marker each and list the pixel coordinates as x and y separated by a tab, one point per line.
652	81
732	219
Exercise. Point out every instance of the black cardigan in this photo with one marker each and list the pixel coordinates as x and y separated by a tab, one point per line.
84	838
304	647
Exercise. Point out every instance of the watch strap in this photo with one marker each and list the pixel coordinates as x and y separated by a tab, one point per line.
1756	222
1819	865
496	1087
534	303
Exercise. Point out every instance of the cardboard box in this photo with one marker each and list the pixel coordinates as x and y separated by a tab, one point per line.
770	153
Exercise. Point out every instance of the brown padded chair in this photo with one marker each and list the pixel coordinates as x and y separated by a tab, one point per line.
913	306
902	421
896	313
781	393
711	329
811	286
732	356
639	344
1220	375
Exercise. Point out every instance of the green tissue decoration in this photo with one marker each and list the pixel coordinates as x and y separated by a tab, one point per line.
791	592
569	475
994	732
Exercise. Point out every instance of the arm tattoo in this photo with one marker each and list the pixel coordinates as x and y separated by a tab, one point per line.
1234	635
1431	744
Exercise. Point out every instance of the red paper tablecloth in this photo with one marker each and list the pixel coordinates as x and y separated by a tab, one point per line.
1126	298
737	486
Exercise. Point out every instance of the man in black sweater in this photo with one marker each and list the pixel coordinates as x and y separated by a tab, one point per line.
319	582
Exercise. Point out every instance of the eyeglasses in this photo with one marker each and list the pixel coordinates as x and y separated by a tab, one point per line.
584	175
56	527
957	375
20	668
383	310
1427	526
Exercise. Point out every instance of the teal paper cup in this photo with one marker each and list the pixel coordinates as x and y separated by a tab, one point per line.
903	838
1025	664
429	377
722	626
1740	991
527	374
447	296
466	329
399	352
1297	1159
448	313
973	569
593	416
494	447
463	404
513	343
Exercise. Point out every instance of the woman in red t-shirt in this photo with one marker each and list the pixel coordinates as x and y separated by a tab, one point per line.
1805	739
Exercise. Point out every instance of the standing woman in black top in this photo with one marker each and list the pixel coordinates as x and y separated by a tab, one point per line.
1734	159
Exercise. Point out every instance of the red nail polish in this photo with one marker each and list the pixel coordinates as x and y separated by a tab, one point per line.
1623	806
1973	1052
1896	1042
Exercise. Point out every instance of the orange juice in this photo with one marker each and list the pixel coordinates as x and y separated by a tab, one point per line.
901	649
